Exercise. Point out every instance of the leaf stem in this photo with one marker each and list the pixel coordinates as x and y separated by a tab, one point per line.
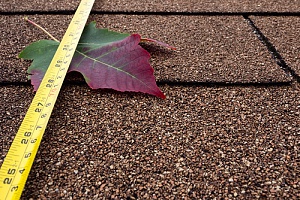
158	42
44	30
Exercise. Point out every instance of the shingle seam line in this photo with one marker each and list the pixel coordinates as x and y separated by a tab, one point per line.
272	50
185	13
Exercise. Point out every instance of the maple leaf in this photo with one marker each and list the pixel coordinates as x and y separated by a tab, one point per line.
106	59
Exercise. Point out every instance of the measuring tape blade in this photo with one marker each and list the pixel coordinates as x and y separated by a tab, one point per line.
19	159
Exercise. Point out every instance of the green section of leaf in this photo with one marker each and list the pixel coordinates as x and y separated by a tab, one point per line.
41	52
99	37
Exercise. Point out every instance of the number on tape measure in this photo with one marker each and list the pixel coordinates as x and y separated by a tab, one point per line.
17	164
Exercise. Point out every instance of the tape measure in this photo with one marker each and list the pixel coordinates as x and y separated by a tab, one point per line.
19	159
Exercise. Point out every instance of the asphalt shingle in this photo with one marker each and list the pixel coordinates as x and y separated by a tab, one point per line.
209	49
199	6
41	5
283	36
158	5
201	142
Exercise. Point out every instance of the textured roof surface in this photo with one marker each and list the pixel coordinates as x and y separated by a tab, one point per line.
284	36
158	5
209	48
228	129
199	142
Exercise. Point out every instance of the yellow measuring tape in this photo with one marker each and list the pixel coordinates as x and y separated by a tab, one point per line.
19	159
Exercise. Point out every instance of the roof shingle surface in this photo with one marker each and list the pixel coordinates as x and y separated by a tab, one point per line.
202	142
158	5
209	48
285	37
